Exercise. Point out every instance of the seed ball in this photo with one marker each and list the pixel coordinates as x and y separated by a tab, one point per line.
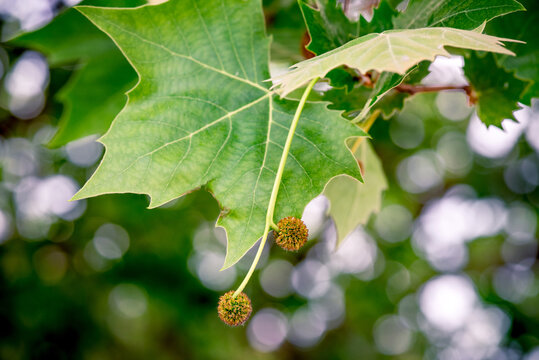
292	233
234	311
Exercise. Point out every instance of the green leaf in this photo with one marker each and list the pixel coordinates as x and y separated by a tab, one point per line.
353	202
341	79
382	19
95	93
426	13
329	28
532	92
466	15
497	90
384	96
521	26
386	82
393	51
327	25
461	14
354	101
201	115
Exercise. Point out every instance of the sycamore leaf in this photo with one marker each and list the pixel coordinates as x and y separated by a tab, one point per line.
461	14
95	93
201	115
497	90
352	202
393	51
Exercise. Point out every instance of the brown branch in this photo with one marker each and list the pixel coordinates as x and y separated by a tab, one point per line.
414	89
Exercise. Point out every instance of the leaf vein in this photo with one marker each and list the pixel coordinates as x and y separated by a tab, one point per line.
197	131
227	21
210	38
187	57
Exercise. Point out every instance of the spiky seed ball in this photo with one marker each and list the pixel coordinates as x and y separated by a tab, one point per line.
292	233
234	311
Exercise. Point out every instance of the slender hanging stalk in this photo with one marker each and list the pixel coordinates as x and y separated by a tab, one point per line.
276	185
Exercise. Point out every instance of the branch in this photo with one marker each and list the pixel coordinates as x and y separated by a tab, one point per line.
414	89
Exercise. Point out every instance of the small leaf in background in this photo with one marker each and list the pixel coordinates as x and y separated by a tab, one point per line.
461	14
202	115
521	26
341	79
497	90
284	23
352	202
328	27
96	91
393	51
382	19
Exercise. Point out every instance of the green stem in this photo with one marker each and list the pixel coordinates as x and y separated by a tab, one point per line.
276	185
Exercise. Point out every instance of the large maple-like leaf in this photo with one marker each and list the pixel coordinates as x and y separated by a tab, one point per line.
393	51
201	115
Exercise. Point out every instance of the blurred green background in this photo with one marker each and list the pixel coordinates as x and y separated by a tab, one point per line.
447	270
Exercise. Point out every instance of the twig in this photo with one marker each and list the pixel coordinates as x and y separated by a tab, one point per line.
414	89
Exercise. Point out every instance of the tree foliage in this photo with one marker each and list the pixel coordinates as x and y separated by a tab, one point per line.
194	95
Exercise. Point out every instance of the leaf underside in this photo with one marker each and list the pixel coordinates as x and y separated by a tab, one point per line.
201	115
392	51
